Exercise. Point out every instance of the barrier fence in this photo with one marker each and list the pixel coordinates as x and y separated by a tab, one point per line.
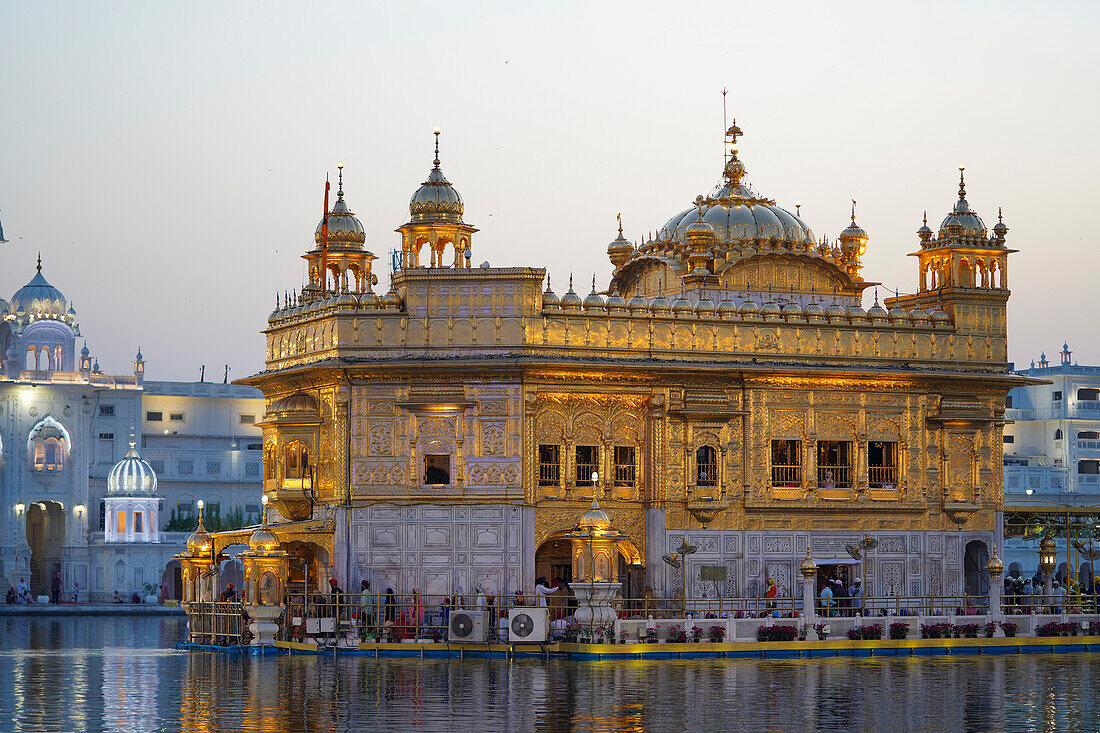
328	618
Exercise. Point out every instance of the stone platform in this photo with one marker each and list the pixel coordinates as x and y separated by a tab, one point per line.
91	609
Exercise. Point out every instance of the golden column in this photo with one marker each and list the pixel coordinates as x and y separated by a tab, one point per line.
195	561
595	567
266	568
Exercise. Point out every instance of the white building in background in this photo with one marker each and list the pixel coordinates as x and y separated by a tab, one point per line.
65	425
1052	454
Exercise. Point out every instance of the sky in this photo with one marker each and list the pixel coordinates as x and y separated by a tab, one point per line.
168	159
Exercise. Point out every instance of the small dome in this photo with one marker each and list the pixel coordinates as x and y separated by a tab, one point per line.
369	301
704	307
343	227
962	222
84	350
297	403
919	316
391	299
681	306
637	304
570	301
593	301
856	313
347	301
835	312
939	318
39	295
749	309
877	312
814	310
263	540
436	201
619	249
771	309
615	303
549	297
199	542
595	518
727	308
808	567
898	315
659	305
792	310
132	476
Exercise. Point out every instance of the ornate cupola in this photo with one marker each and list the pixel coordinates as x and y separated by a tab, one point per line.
345	261
853	245
131	505
619	249
435	220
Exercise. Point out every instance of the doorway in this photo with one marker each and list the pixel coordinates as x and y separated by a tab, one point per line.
45	535
974	562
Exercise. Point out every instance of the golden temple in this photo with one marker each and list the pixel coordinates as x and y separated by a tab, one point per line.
726	388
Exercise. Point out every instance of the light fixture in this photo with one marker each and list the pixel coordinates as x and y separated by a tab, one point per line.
200	503
595	476
1048	557
166	431
79	508
1029	492
20	508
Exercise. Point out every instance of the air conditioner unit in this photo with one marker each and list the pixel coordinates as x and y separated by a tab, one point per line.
467	625
528	625
319	626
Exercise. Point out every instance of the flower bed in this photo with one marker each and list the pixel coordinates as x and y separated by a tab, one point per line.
870	631
970	631
776	633
941	630
1009	628
716	633
899	631
1054	628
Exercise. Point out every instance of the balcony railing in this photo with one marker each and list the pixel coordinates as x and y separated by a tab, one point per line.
786	475
839	477
879	477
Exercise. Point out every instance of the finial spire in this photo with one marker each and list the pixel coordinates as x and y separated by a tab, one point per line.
926	217
340	180
1000	217
853	211
39	261
436	161
571	282
619	218
593	283
962	182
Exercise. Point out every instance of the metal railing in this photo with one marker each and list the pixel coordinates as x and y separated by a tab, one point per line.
786	475
222	624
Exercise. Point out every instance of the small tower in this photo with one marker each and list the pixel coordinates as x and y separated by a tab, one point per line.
131	505
85	360
435	220
1067	355
853	245
346	252
139	365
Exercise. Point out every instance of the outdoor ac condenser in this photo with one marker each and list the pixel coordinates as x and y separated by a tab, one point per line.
466	625
528	625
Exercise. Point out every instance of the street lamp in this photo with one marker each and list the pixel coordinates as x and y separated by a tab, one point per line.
1048	559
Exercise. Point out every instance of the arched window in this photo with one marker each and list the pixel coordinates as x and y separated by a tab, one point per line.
269	462
47	454
296	460
1058	434
706	466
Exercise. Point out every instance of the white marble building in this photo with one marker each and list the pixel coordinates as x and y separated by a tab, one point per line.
64	424
1052	450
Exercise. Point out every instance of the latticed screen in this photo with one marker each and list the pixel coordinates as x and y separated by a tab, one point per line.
549	465
624	465
882	464
706	466
297	460
834	464
588	457
786	463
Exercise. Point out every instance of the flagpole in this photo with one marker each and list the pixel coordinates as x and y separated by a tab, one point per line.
324	243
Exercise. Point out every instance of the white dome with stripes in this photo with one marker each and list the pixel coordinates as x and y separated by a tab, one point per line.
132	476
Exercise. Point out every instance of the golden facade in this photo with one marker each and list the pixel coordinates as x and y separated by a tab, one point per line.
727	388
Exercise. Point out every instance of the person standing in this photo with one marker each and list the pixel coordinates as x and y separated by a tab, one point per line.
1059	597
827	601
76	592
543	591
855	595
840	592
367	607
55	588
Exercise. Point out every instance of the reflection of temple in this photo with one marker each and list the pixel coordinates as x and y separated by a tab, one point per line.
727	389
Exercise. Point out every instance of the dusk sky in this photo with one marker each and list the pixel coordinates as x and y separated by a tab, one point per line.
168	160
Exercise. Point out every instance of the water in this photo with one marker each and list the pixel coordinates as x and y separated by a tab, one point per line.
120	674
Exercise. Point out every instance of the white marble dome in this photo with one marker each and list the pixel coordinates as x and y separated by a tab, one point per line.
132	476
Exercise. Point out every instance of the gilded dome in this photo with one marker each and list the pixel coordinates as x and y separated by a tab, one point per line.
570	301
436	201
263	540
297	403
549	297
808	567
199	542
619	249
962	222
595	518
132	476
343	226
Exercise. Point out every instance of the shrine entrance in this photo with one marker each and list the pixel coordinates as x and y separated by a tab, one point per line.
553	560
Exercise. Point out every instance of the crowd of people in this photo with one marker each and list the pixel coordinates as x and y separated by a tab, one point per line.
837	598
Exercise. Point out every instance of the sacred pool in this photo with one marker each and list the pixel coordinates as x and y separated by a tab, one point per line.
122	674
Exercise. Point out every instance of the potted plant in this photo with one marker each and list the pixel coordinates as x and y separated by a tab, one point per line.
969	631
623	634
802	632
696	634
716	633
870	631
1052	628
776	633
989	629
822	631
651	635
1009	628
899	631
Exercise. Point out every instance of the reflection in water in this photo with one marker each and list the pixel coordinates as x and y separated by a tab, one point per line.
107	674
